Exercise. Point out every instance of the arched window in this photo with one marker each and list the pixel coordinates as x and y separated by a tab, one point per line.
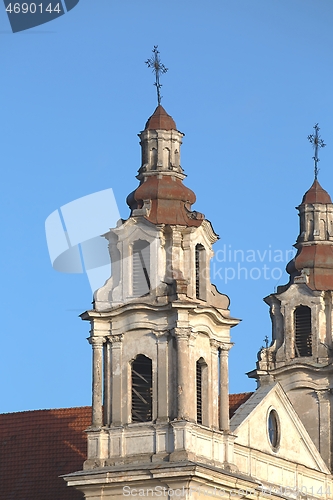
303	334
201	391
141	265
200	272
142	389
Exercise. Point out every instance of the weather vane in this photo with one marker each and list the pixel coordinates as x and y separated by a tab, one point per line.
159	69
317	142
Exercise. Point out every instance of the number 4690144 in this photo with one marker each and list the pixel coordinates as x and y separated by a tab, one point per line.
32	8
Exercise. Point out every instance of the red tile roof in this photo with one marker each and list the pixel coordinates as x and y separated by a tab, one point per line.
236	400
36	447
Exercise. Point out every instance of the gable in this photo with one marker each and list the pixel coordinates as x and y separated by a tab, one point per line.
250	425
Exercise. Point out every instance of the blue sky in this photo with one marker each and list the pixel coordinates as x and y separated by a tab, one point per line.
246	83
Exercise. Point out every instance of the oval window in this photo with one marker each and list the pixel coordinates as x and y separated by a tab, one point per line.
273	429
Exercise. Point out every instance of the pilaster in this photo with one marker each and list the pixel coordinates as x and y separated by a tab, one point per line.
163	391
97	382
116	394
214	382
224	387
182	337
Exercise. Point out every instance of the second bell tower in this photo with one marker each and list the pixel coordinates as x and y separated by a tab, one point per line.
301	354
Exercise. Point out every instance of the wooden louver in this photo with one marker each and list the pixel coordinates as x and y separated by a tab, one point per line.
198	269
141	264
142	389
199	392
303	334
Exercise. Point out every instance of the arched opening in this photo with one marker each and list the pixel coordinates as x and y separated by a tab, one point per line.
153	158
201	391
303	334
200	272
166	158
142	389
141	265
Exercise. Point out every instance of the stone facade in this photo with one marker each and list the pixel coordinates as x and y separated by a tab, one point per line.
160	335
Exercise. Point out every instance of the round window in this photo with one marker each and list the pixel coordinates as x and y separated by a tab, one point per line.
273	429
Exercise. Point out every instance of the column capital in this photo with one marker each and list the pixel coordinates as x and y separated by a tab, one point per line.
323	395
162	336
225	347
182	333
96	341
214	343
116	339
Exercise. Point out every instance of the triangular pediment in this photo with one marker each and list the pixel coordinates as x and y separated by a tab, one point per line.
250	425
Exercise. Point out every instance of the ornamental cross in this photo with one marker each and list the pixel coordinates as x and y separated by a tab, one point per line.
316	142
159	69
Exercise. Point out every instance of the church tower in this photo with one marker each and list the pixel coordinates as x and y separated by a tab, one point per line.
160	336
301	354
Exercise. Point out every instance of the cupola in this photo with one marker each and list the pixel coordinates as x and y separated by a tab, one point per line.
313	263
161	197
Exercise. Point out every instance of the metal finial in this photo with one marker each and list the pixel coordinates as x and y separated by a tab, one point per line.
316	142
159	69
266	341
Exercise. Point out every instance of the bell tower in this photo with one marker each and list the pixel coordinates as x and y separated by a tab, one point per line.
160	336
301	354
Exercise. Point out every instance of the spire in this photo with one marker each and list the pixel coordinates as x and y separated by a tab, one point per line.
161	197
313	263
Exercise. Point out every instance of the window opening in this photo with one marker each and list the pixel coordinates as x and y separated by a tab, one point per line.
142	389
199	271
303	335
199	391
141	265
273	428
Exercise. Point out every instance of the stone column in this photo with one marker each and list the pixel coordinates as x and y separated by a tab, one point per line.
182	336
116	374
107	384
224	387
97	380
191	383
214	385
163	393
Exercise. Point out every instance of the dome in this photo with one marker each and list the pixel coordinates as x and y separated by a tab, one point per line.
160	120
316	194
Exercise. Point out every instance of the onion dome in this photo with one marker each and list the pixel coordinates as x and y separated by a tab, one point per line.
169	201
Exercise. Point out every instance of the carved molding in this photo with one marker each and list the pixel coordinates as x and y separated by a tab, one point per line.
96	342
116	339
182	333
